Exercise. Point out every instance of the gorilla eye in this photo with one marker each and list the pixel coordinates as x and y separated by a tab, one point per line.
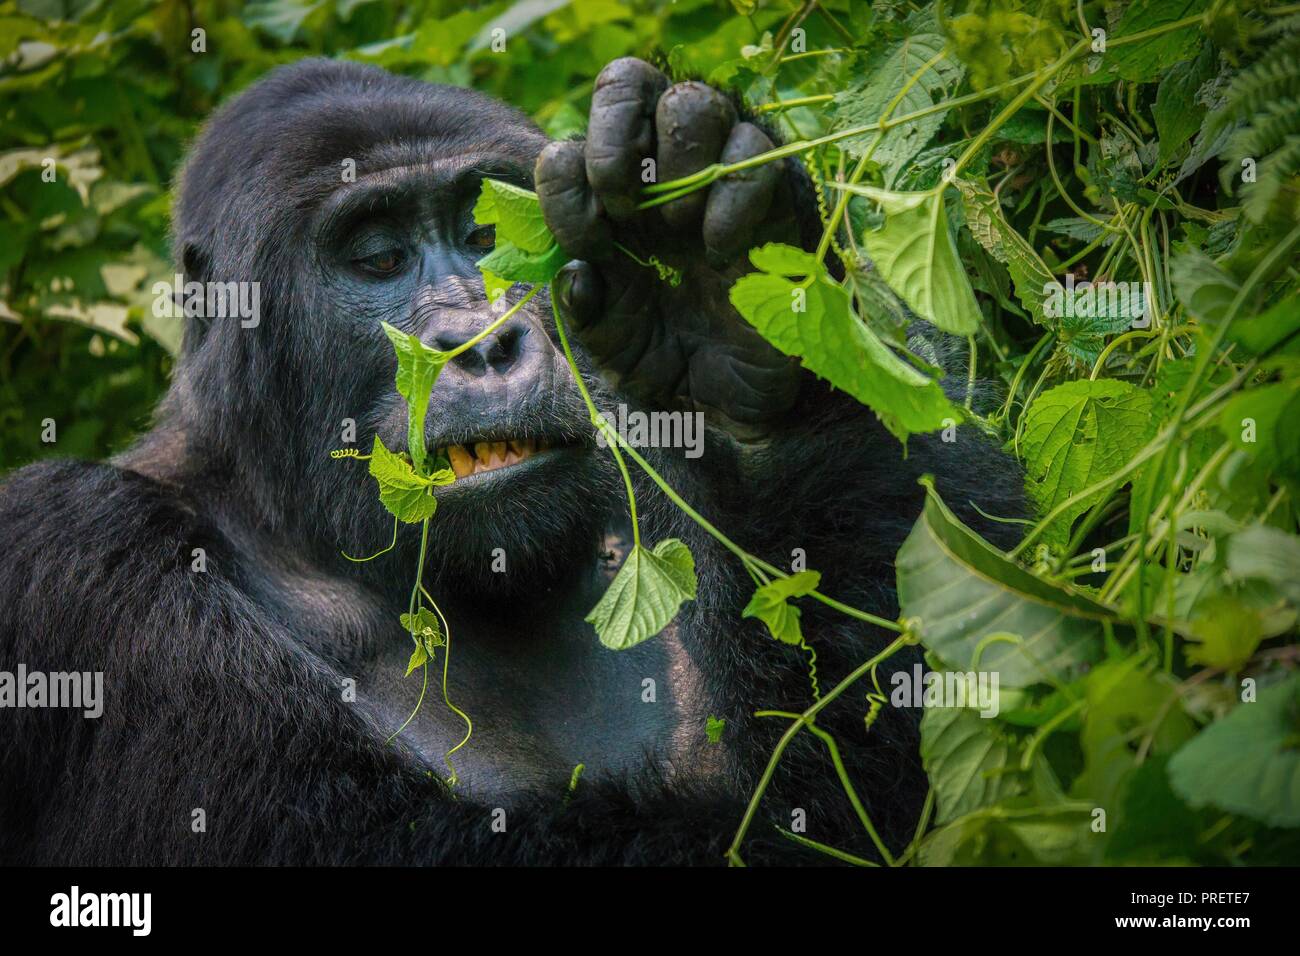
382	263
484	237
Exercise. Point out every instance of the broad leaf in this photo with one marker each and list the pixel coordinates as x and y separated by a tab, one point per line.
645	595
771	605
812	320
405	493
1077	434
1248	763
418	368
508	261
916	255
516	213
867	99
525	249
959	592
965	758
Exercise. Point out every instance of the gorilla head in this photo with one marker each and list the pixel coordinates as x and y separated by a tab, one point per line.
346	193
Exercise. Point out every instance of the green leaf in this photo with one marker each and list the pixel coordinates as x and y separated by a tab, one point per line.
1124	706
426	630
713	729
867	98
419	657
516	213
404	492
1149	60
1177	111
1267	554
645	595
965	758
418	368
830	340
770	604
508	261
1032	278
525	249
1261	422
1077	434
1248	763
957	592
915	253
281	19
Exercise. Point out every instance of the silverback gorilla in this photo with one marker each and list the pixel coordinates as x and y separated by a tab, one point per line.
202	571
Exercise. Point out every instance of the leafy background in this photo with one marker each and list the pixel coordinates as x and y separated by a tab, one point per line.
1156	682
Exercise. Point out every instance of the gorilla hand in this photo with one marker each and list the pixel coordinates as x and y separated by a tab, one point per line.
673	345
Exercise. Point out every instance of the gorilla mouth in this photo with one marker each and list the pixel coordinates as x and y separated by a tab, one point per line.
475	457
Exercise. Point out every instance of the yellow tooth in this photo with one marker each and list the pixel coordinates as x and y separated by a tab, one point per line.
498	452
461	461
482	451
518	446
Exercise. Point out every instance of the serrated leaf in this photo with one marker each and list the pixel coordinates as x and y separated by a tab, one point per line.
418	368
830	340
1077	434
960	592
771	605
866	100
516	213
1248	763
404	492
509	262
645	595
915	253
989	226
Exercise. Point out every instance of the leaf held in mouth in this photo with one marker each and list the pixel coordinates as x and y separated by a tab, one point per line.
418	368
645	595
405	493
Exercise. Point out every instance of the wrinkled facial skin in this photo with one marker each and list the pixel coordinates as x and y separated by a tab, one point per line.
352	206
399	246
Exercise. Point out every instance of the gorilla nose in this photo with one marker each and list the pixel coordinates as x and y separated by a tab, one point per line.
501	351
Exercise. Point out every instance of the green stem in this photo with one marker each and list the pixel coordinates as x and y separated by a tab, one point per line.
806	719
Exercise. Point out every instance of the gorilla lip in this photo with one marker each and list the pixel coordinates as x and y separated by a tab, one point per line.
472	458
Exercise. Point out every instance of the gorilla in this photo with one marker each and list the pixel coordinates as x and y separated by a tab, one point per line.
253	675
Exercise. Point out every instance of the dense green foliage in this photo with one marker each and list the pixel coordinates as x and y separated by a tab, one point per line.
1098	200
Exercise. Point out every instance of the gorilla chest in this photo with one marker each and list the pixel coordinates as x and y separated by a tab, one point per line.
543	696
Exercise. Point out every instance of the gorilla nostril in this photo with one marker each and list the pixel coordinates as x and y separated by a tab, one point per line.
506	348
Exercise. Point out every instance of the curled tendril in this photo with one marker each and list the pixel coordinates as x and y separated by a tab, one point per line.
348	453
812	669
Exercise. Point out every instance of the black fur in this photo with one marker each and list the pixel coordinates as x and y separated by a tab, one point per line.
222	689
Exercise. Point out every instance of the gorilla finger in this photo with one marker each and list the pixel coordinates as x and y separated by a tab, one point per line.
569	206
739	202
579	290
692	121
621	132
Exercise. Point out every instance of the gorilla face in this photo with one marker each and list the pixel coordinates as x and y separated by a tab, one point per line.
374	224
399	245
